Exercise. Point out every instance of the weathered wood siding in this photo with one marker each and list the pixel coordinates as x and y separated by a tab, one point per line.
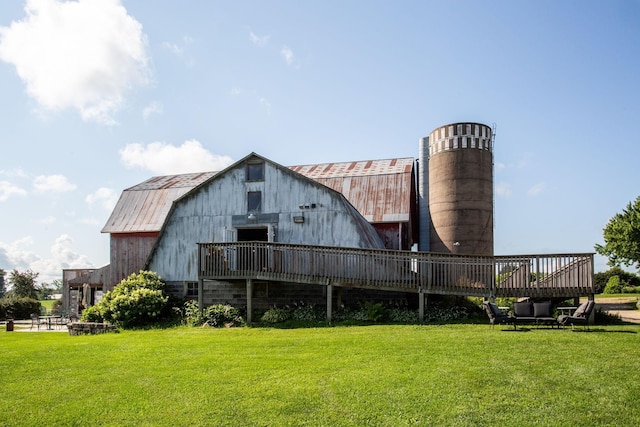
210	211
129	253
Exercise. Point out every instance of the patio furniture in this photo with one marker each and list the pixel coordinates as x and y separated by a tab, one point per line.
35	321
580	316
497	316
534	312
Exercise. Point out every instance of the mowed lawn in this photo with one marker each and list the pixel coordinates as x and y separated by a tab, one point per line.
447	375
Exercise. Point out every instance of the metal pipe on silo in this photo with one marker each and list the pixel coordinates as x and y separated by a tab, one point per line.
460	189
423	194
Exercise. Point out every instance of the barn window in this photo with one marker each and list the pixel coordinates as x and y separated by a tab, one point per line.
255	171
254	201
192	289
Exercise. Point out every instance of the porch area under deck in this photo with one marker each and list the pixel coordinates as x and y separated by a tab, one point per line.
423	273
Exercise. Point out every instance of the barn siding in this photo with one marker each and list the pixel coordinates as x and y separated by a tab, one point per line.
204	215
129	253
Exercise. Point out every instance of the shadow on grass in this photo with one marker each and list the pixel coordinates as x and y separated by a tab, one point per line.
601	331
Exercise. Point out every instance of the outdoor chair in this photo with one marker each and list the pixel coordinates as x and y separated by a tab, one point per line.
579	317
35	321
496	316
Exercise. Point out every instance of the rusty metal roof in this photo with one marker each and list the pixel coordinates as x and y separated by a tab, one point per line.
144	207
381	190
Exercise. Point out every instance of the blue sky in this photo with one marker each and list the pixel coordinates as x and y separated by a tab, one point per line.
97	96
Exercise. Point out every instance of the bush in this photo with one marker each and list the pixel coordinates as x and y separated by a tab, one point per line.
138	300
403	315
92	314
613	285
308	313
276	315
631	290
19	308
222	315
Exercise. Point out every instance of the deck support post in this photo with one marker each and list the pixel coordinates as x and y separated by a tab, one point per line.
329	300
421	297
200	294
249	300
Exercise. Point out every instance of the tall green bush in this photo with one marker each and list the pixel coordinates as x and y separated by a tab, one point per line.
138	300
18	308
614	285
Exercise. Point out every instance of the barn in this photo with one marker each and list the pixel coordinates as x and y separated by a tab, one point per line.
394	230
158	223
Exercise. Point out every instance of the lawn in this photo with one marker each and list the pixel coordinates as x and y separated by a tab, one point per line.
462	375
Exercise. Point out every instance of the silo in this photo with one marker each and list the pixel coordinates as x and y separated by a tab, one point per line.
460	180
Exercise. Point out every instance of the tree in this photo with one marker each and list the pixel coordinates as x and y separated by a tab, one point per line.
622	237
2	286
23	285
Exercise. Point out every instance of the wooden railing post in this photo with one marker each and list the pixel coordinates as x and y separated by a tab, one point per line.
329	301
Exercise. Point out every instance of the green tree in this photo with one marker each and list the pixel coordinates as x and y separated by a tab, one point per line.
2	285
622	237
23	285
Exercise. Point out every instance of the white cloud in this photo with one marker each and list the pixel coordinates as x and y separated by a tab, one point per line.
259	41
163	158
503	189
107	197
287	54
20	256
81	55
16	255
266	104
536	189
13	173
178	49
52	184
47	220
7	190
173	48
153	108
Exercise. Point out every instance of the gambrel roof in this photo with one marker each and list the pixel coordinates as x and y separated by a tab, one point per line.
380	190
144	207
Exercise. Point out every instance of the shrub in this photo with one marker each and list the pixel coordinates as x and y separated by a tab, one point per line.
631	289
441	313
613	285
18	308
307	313
192	314
222	315
403	315
138	300
276	315
92	314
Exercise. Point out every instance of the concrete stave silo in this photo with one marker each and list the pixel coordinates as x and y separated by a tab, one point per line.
459	178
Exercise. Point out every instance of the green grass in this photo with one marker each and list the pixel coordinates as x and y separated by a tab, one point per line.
47	303
448	375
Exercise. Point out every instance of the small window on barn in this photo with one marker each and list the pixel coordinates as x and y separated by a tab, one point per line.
192	289
254	201
255	171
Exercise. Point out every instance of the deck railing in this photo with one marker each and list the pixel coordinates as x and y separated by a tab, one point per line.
488	276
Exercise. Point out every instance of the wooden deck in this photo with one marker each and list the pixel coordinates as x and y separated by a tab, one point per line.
536	276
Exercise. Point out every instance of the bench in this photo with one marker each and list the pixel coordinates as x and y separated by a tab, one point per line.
534	312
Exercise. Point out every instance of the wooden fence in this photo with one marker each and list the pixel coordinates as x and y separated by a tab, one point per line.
540	276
